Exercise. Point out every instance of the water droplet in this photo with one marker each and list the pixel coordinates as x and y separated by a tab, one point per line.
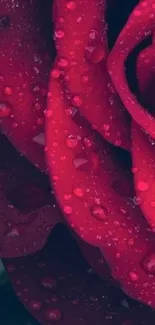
39	139
37	106
152	204
93	34
78	191
105	127
77	100
137	200
71	5
149	263
5	109
7	91
35	88
54	315
131	242
35	305
99	212
142	186
85	78
48	113
16	231
71	111
133	276
62	63
71	141
68	209
48	283
40	121
137	13
79	19
95	53
88	142
134	170
81	162
55	73
67	197
14	125
59	33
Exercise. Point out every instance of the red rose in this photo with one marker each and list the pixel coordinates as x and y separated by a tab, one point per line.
73	116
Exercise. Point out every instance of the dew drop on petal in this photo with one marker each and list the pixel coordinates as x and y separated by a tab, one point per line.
5	109
95	53
77	100
35	305
133	276
39	139
152	204
54	315
7	91
93	34
48	283
71	111
78	191
142	186
88	142
81	162
71	5
71	141
137	13
137	200
99	212
59	33
16	231
62	63
67	209
55	73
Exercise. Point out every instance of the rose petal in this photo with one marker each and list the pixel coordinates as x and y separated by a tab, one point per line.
144	172
140	23
55	286
28	212
82	51
100	215
24	67
145	73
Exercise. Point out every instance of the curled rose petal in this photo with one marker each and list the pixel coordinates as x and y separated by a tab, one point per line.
91	205
24	67
139	26
145	73
80	35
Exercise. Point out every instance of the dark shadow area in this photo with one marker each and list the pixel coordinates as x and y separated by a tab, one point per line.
116	17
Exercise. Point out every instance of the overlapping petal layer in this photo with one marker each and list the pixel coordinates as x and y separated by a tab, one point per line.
140	24
24	72
81	41
79	122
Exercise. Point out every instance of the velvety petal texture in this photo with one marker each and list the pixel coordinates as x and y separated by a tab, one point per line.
77	198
